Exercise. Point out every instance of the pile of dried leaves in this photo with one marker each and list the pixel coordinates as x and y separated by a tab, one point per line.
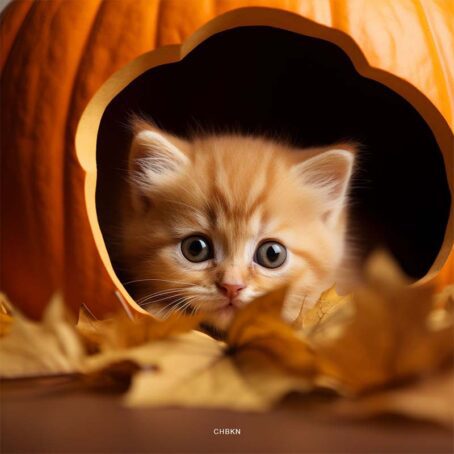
387	348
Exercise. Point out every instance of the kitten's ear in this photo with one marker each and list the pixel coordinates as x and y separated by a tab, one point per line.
329	173
155	159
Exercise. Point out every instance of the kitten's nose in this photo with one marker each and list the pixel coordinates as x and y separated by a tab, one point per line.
230	290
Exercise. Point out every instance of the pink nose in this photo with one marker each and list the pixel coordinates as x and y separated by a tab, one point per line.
230	290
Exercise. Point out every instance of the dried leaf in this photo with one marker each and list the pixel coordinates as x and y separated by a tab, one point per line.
388	338
6	319
120	331
386	332
445	299
55	346
121	342
430	399
177	362
262	361
327	305
113	377
259	328
220	384
6	322
50	346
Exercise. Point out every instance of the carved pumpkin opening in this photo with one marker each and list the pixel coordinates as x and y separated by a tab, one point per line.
306	90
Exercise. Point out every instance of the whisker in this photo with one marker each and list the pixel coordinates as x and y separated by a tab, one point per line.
185	305
188	303
165	298
168	305
160	293
183	302
194	310
160	280
172	306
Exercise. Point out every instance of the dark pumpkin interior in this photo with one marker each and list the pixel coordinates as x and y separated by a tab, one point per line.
306	91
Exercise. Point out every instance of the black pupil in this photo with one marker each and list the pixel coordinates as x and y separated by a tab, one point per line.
273	252
197	247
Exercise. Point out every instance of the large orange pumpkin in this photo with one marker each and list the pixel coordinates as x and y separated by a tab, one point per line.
56	54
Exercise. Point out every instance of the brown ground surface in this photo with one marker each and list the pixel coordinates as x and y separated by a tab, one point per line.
57	416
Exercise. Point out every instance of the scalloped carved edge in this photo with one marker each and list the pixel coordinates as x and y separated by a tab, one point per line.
88	127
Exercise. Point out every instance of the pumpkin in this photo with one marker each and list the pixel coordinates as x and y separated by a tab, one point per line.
56	54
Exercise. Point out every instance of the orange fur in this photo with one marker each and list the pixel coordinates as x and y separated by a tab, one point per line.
237	191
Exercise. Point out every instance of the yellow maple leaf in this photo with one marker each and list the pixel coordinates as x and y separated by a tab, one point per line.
445	298
48	347
430	399
388	336
54	345
259	328
121	331
387	331
219	384
6	319
261	361
327	305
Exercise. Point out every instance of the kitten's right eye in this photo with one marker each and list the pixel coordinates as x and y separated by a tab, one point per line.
197	249
270	254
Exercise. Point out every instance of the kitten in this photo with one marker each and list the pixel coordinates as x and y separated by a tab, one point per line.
215	222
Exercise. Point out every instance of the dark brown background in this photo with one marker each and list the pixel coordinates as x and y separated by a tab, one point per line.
58	416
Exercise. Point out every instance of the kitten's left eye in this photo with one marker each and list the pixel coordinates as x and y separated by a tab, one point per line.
197	249
270	254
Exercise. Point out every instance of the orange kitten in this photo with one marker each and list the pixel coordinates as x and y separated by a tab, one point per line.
218	221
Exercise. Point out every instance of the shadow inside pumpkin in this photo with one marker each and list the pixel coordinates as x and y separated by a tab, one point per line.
305	90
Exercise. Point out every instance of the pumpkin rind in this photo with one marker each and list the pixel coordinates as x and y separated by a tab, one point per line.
56	54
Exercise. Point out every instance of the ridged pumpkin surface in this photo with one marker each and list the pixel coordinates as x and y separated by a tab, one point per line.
55	54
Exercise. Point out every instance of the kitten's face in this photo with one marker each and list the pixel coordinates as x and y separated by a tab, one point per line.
220	221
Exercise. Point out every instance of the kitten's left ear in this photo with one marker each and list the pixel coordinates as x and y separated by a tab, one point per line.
155	158
329	173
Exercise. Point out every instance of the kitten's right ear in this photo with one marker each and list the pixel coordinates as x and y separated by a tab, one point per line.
155	159
329	173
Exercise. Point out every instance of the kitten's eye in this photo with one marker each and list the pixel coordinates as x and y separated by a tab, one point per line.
197	249
270	254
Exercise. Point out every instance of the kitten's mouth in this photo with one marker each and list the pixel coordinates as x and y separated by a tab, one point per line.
226	311
220	317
